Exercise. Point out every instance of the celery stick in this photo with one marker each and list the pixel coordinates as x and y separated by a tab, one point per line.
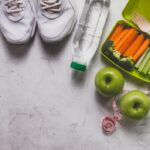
138	63
144	62
146	67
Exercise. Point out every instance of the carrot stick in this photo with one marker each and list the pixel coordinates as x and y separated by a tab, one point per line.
116	31
129	41
142	49
134	46
125	38
120	36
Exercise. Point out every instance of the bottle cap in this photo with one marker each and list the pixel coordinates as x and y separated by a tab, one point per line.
77	66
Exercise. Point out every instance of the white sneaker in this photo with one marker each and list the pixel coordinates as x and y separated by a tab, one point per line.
17	20
55	18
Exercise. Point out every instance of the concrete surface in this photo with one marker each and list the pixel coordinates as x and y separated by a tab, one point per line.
44	105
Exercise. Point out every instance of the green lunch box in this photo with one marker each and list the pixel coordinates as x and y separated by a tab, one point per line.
143	8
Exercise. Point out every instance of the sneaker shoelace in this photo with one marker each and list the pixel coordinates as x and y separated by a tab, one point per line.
14	7
51	6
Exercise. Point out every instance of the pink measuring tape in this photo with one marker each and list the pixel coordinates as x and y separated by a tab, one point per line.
109	122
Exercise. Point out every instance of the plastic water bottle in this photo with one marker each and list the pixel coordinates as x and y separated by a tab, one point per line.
89	32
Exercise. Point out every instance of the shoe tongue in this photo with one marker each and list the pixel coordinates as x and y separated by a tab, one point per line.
51	1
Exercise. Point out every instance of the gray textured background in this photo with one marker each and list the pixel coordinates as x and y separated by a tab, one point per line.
44	105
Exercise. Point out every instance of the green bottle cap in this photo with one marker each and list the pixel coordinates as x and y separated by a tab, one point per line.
78	66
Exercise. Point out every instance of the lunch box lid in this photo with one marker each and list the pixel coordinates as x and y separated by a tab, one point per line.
141	7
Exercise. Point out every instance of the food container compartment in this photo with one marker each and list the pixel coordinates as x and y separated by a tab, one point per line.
130	68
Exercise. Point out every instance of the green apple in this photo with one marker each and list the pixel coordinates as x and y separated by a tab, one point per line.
109	82
135	104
